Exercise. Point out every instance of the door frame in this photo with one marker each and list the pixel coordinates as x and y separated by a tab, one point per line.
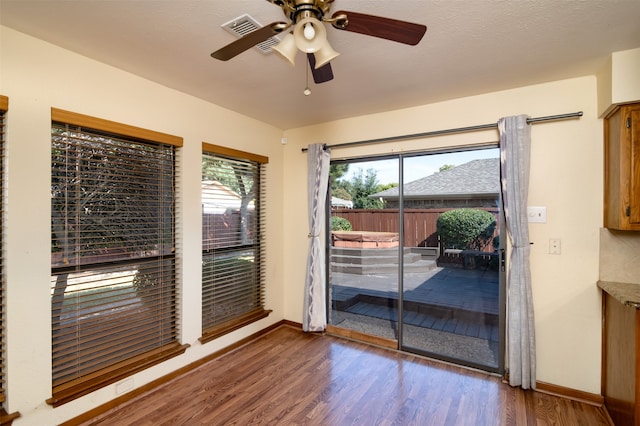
502	250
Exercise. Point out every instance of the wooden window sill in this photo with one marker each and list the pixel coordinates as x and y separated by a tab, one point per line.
75	389
225	328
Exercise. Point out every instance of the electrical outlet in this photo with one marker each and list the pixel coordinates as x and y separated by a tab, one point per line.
554	246
124	386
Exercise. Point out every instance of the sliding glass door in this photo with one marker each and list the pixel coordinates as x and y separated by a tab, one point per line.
416	255
452	218
365	247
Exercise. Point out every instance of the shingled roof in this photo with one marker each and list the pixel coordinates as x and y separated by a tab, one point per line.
477	178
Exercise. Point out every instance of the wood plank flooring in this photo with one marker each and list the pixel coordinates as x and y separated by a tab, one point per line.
288	377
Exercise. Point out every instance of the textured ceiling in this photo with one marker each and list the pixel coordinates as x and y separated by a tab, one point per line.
471	47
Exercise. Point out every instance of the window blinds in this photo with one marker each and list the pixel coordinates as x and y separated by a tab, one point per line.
113	280
233	244
4	104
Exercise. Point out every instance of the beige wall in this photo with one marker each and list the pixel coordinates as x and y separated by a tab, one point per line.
618	81
37	76
566	177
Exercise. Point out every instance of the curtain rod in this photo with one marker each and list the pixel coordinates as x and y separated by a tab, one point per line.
450	131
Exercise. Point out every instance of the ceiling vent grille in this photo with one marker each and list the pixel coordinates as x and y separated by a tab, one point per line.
245	24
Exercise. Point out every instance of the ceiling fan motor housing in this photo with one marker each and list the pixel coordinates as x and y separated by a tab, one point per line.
301	9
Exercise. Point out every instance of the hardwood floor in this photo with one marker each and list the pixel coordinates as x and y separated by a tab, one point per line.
288	377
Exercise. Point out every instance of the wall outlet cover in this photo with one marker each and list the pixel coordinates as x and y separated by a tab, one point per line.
537	214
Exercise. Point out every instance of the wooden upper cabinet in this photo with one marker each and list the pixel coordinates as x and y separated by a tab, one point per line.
622	168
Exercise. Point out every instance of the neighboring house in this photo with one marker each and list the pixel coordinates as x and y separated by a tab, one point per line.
472	184
221	213
339	203
219	199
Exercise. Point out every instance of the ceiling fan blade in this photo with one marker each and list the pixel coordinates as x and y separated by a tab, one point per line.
249	40
322	74
376	26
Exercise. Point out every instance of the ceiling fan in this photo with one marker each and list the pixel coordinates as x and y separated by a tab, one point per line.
306	17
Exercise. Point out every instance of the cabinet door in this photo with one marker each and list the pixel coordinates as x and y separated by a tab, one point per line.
622	169
634	195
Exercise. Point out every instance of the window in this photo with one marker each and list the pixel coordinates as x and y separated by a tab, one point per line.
113	260
233	244
4	104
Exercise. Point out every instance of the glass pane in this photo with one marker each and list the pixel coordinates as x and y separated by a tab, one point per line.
105	315
452	221
113	272
231	280
365	248
229	286
111	199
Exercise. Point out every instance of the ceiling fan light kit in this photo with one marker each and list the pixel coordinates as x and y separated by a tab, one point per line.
287	48
310	36
324	56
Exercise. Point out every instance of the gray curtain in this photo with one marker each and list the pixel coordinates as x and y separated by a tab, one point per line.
314	315
515	150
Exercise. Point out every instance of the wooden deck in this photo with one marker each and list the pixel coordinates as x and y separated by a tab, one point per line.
445	299
480	326
448	313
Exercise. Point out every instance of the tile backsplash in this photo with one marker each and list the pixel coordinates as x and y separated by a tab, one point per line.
619	256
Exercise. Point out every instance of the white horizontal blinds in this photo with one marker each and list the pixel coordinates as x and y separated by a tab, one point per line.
113	254
232	241
4	103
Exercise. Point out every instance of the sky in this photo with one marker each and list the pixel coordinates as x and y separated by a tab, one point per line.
417	167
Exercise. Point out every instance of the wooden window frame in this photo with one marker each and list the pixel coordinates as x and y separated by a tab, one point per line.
5	418
220	329
4	107
72	389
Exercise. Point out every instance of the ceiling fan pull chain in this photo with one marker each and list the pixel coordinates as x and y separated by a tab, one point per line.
306	90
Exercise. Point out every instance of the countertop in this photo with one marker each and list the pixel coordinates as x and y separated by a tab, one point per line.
626	293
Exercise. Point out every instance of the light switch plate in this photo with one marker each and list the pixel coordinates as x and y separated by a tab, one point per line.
537	214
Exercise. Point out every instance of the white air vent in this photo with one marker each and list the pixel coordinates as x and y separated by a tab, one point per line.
245	24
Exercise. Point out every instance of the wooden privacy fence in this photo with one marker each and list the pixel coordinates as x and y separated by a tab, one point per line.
419	224
224	230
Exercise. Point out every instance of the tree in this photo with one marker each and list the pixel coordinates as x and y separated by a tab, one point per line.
445	167
341	193
384	186
361	186
336	172
99	182
111	200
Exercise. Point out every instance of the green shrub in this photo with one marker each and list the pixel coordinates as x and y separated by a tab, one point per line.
340	224
466	228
